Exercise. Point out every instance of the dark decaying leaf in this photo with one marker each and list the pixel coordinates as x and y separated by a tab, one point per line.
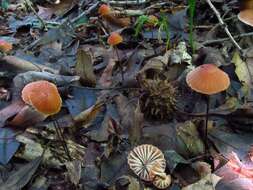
22	176
10	111
84	68
82	99
74	171
173	159
8	145
113	167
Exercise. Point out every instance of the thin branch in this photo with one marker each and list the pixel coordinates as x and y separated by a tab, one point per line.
208	42
223	25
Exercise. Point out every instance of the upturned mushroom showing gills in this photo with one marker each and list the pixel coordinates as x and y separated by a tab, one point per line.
145	158
42	96
207	79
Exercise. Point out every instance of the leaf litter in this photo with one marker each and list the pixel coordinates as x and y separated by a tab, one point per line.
119	95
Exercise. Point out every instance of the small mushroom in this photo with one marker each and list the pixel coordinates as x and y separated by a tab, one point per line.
207	79
162	181
144	159
114	39
246	13
104	10
43	96
42	99
5	47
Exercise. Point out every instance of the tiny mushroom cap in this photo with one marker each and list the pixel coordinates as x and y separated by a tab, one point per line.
246	16
152	20
208	79
5	47
43	96
142	160
104	10
114	39
162	182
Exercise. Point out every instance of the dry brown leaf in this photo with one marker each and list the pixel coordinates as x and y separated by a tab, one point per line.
106	78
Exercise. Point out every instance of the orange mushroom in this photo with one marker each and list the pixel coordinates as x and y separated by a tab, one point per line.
42	100
246	13
43	96
246	16
114	39
104	10
5	47
207	79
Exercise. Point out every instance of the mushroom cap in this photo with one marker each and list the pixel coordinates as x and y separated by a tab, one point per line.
208	79
5	46
162	182
246	16
142	159
152	20
104	10
114	39
43	96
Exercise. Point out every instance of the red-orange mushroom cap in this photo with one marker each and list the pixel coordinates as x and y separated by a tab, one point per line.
114	39
104	10
208	79
5	46
43	96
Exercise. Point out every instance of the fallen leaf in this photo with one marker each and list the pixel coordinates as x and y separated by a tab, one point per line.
84	68
242	70
8	145
173	159
22	176
106	77
10	111
74	171
207	183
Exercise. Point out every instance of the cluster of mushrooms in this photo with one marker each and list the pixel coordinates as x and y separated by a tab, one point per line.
146	161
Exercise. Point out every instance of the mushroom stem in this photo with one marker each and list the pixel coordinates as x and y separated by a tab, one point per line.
120	64
206	122
62	139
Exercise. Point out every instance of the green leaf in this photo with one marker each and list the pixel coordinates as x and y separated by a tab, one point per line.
22	176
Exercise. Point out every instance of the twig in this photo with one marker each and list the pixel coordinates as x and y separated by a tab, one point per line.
208	42
223	25
85	12
29	4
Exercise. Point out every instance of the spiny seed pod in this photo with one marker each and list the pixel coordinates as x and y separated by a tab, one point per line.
159	98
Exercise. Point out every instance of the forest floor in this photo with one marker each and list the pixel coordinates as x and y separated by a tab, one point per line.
126	95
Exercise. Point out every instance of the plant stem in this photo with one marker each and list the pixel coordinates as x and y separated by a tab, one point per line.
206	122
